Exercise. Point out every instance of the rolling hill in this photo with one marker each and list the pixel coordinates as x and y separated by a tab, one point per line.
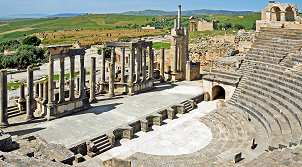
189	12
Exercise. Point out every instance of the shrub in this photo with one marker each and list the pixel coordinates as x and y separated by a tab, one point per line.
107	52
239	26
31	40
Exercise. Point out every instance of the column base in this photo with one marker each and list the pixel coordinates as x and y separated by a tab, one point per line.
71	99
110	95
162	79
51	110
29	118
4	125
130	89
92	100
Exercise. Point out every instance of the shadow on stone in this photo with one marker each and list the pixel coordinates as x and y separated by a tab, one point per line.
26	131
99	109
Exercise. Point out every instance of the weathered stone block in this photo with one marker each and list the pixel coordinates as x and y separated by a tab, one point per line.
78	158
144	125
171	113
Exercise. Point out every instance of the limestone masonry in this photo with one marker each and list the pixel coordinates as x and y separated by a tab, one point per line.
253	79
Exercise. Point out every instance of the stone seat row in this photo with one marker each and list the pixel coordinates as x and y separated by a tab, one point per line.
285	157
265	57
228	76
280	31
275	94
286	37
231	134
271	53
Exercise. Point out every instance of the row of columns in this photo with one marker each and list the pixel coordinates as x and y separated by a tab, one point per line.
51	99
192	26
138	64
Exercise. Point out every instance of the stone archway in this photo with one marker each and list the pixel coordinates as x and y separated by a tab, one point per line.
289	15
275	13
218	92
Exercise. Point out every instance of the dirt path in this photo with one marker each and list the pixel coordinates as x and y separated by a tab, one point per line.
20	29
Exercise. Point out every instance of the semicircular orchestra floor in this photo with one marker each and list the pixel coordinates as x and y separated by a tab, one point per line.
183	135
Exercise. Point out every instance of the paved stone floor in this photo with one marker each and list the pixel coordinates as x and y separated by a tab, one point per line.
175	137
106	114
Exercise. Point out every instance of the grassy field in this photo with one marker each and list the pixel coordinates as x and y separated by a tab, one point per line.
55	77
247	20
85	22
88	37
99	25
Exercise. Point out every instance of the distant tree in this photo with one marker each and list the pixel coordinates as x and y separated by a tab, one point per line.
31	40
28	54
253	26
107	52
227	25
239	26
147	19
153	19
7	62
11	44
219	26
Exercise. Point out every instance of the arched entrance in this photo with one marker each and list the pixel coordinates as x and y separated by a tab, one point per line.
275	13
289	15
218	92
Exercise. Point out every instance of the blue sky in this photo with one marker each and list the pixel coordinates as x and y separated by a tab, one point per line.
9	7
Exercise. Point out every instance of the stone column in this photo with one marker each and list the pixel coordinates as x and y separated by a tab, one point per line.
51	100
45	92
137	67
3	99
71	83
21	100
30	95
180	57
194	28
111	81
50	82
179	16
174	67
61	81
92	80
77	85
145	64
102	71
131	64
140	53
36	90
123	66
40	91
283	16
162	65
152	64
113	59
82	77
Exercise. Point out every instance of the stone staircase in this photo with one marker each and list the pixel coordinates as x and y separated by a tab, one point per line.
246	72
188	106
13	111
98	145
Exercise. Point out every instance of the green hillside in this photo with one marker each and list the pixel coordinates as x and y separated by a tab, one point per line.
12	29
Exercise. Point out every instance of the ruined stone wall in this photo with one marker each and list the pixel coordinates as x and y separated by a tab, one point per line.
193	71
224	38
205	53
203	25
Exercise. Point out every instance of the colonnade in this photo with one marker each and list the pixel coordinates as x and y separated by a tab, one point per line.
138	64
